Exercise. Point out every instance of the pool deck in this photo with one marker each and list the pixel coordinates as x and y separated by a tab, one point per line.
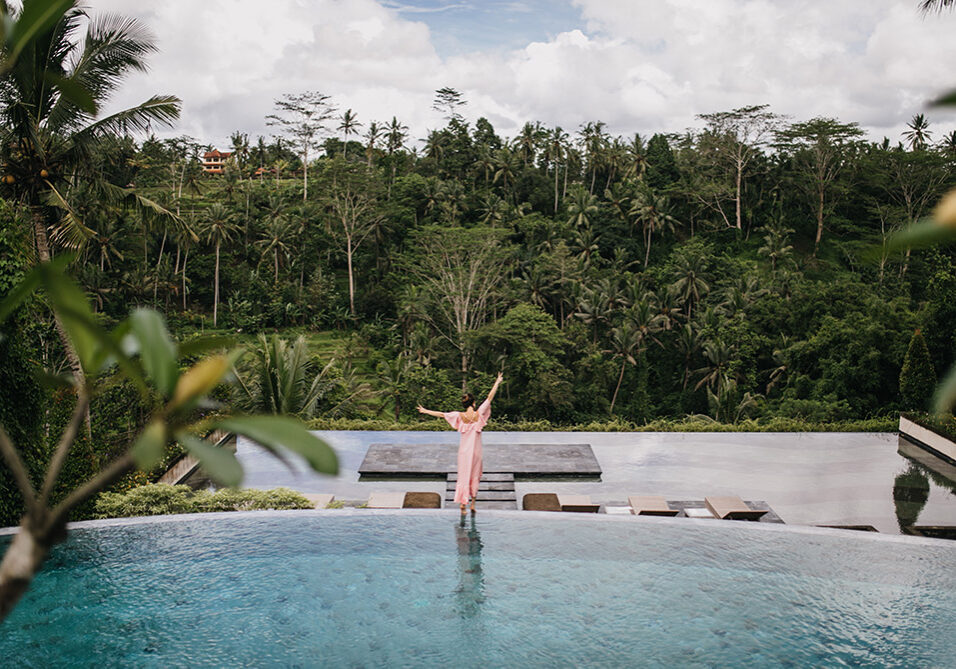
806	478
437	460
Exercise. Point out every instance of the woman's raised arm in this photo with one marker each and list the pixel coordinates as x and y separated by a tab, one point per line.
436	414
494	388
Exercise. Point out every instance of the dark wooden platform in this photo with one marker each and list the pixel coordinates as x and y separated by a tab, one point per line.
522	460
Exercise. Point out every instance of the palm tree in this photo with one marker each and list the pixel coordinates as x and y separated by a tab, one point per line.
506	166
556	150
652	211
690	284
935	5
372	135
636	157
49	103
918	134
582	208
274	239
776	246
716	374
625	342
349	126
218	226
282	379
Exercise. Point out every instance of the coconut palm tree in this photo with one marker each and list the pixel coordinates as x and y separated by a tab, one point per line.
274	240
49	104
918	134
690	284
626	341
555	151
218	226
652	211
372	134
582	209
349	125
935	5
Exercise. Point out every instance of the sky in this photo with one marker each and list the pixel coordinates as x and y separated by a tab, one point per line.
638	65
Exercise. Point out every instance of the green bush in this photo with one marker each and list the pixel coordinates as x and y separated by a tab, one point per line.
917	378
162	499
688	424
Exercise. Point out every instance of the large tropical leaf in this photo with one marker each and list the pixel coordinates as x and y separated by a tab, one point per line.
278	432
221	465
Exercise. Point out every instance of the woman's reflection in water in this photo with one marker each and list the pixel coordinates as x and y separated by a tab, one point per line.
471	588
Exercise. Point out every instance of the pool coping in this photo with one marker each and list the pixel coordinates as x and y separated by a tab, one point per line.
538	515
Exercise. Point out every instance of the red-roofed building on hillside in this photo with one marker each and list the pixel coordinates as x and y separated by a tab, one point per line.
213	161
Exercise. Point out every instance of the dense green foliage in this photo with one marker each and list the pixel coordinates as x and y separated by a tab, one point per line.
607	275
160	499
918	377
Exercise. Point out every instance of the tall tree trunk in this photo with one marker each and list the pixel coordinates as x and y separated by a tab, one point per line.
348	256
275	253
464	369
215	299
162	247
557	171
43	254
619	379
305	174
816	242
737	198
185	258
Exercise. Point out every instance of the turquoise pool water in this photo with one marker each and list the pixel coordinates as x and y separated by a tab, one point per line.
360	589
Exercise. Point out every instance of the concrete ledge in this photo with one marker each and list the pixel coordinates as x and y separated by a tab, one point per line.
936	444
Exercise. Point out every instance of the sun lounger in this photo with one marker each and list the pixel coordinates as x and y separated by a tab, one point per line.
319	501
731	507
651	505
577	504
386	500
540	501
422	500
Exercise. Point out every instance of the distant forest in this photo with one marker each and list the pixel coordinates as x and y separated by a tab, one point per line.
733	270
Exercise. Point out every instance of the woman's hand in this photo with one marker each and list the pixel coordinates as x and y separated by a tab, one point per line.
422	409
499	379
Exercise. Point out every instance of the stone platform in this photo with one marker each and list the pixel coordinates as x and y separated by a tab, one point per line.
392	461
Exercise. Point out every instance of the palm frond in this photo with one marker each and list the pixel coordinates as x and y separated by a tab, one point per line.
70	232
114	46
159	109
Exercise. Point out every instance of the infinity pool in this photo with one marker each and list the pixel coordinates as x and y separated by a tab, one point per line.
344	589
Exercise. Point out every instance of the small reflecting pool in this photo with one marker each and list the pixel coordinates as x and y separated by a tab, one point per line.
359	588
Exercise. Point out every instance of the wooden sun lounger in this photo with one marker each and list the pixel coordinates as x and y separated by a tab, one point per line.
540	501
578	503
320	500
386	500
422	500
651	505
731	507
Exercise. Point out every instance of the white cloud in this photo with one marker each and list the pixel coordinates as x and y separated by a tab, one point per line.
639	65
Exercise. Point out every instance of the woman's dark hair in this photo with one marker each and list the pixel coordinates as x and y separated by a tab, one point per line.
468	400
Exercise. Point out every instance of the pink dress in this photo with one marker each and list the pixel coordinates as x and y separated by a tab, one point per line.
469	451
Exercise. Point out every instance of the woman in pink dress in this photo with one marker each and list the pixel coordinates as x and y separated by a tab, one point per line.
469	424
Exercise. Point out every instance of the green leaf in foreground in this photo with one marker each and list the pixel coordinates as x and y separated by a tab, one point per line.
921	235
947	100
156	350
283	432
148	449
221	464
945	397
